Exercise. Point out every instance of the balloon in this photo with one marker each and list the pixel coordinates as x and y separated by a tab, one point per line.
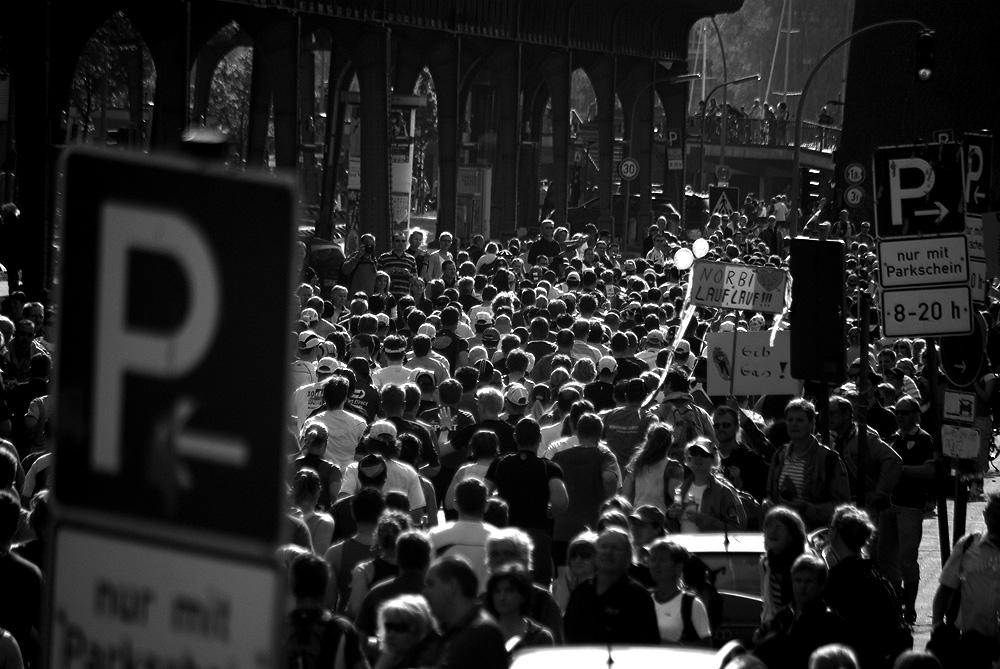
683	259
700	248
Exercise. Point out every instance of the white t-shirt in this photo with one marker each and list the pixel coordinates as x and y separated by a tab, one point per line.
396	374
345	430
649	486
671	622
465	538
305	400
692	503
399	476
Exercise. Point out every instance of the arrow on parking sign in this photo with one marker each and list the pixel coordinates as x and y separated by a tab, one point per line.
940	210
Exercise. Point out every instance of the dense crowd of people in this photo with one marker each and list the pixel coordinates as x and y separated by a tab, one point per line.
497	447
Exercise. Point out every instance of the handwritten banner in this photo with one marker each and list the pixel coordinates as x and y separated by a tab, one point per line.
725	286
743	363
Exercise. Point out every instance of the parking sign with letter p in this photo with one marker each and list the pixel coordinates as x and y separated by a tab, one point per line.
173	315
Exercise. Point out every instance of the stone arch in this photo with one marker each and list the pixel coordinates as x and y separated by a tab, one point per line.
223	76
111	88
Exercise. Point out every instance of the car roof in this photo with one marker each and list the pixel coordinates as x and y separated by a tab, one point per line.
623	657
715	542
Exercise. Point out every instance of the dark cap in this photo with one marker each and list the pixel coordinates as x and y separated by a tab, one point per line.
699	447
372	470
636	390
648	513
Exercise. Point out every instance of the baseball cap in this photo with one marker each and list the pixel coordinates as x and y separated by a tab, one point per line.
629	266
308	340
428	330
372	470
381	429
309	316
683	347
395	345
896	373
607	364
485	369
635	390
699	447
326	365
383	320
491	336
424	379
648	513
655	338
483	318
477	353
516	394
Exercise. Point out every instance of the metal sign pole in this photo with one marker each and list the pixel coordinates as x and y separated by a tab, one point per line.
934	428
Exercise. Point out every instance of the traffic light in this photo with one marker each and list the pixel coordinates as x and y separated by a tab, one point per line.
818	342
810	190
925	55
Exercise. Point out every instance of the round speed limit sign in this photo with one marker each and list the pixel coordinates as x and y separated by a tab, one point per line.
628	169
854	196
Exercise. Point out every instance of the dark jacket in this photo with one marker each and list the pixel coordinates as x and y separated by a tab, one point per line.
825	487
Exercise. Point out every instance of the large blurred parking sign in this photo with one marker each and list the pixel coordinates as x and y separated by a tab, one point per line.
173	347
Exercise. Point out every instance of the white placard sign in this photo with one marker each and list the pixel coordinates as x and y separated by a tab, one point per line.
150	606
960	442
725	286
752	367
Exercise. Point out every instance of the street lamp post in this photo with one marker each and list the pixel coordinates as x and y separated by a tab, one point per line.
631	129
701	165
797	146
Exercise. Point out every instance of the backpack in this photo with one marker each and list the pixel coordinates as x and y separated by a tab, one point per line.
951	615
701	580
884	613
690	634
684	419
312	638
752	508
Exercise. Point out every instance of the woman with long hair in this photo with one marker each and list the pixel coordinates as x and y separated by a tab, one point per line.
652	475
784	541
382	285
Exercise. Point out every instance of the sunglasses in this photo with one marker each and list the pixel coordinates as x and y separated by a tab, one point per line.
722	424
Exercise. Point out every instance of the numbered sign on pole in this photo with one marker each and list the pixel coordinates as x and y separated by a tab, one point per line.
628	169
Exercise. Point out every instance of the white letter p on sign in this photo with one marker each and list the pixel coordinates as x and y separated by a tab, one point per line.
125	228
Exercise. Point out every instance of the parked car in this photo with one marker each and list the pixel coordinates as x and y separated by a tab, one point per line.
625	657
733	562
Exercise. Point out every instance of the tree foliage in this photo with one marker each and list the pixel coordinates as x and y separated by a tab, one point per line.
102	80
229	98
750	35
426	132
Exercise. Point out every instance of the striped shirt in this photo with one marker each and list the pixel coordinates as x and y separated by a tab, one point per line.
794	470
399	268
